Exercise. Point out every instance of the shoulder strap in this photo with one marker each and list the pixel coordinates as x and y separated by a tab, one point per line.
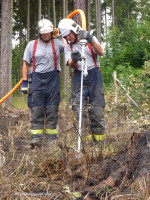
93	56
34	50
54	54
71	47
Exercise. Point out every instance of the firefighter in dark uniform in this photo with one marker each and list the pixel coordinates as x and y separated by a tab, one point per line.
41	67
93	93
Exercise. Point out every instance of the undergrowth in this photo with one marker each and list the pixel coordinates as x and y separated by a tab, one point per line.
59	171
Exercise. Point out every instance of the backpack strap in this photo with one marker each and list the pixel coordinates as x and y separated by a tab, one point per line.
93	56
34	50
54	54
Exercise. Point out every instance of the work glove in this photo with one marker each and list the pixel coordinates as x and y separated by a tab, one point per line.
75	56
86	35
25	87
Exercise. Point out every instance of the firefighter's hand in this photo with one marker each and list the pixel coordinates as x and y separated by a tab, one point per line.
75	56
86	35
25	87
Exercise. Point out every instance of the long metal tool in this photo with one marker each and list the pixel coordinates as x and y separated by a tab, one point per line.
83	72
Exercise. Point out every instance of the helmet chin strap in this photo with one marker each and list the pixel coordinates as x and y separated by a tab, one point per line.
76	37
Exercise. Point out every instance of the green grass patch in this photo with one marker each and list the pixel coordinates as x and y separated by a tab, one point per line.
20	102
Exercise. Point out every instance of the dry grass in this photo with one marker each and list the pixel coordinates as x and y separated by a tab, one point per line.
59	172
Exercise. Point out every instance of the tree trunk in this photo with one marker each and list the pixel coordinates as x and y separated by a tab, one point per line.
54	14
66	11
88	15
64	8
128	12
6	48
105	20
10	16
20	42
106	28
78	4
66	68
39	10
113	14
49	17
98	19
28	21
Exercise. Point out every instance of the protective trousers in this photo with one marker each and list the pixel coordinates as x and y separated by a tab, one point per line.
44	99
93	103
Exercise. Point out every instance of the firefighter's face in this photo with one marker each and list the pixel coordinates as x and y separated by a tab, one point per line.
70	37
46	36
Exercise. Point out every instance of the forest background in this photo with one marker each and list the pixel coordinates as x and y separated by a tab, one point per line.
121	26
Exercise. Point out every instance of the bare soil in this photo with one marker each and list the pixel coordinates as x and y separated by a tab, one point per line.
60	173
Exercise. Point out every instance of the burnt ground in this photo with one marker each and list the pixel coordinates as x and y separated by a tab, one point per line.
60	173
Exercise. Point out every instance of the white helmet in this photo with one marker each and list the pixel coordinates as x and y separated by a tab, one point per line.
67	25
45	26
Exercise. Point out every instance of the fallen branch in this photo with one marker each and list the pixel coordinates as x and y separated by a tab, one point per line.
135	104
